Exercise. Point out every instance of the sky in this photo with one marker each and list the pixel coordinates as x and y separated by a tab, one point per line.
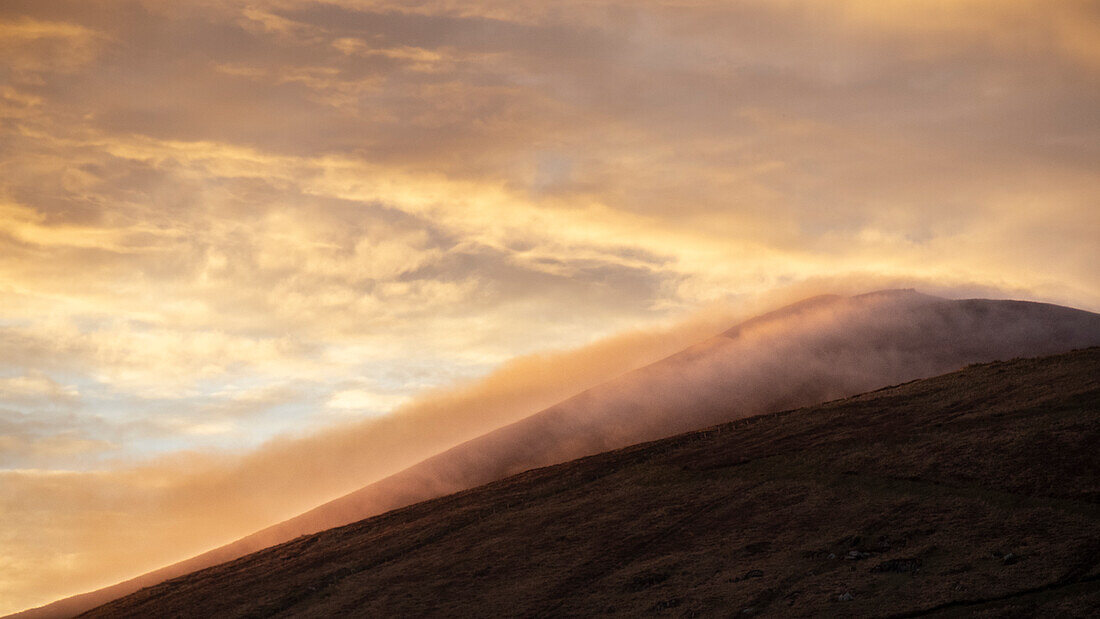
230	227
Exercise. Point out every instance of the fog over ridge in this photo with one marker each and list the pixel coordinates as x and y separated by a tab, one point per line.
823	349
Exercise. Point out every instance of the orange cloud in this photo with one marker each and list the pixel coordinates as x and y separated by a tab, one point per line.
216	217
30	46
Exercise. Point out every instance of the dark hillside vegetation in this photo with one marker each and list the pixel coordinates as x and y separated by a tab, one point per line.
976	493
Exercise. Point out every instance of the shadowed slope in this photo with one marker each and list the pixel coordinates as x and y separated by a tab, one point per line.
974	491
816	350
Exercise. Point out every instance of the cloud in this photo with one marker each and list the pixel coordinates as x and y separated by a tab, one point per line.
33	46
36	387
364	402
49	448
293	199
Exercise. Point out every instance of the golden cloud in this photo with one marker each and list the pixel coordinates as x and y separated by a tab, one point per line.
211	209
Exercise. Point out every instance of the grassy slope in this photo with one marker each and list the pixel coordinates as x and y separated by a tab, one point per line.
930	483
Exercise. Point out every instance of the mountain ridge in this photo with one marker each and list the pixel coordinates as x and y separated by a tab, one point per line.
818	349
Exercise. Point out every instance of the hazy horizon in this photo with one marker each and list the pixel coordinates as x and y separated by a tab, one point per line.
229	228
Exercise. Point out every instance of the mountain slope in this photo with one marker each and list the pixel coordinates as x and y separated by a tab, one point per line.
816	350
977	491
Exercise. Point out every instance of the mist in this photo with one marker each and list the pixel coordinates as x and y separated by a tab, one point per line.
818	350
63	533
823	348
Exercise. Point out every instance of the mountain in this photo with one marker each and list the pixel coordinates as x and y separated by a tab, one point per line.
817	350
977	492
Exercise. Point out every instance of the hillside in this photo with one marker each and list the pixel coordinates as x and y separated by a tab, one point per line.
976	492
816	350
